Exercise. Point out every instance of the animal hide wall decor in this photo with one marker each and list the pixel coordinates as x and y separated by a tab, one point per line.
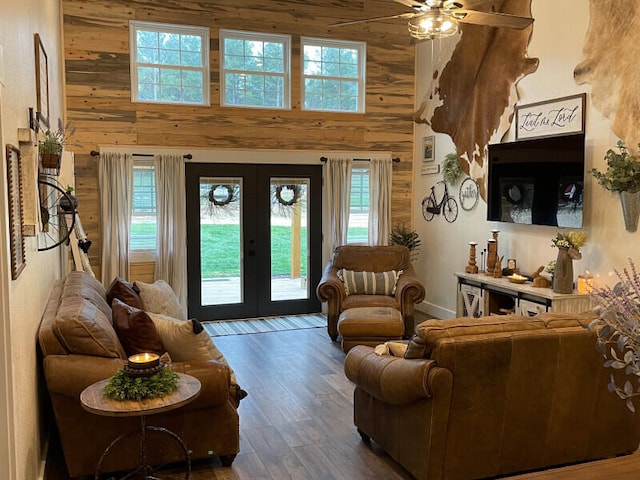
474	97
610	64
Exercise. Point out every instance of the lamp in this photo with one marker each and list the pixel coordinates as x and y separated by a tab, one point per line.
433	24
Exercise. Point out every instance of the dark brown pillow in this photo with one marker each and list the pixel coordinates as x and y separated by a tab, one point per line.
123	290
135	329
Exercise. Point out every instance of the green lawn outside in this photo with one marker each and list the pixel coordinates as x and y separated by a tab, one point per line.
220	247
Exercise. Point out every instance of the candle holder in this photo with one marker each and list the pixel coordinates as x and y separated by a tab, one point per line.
585	283
492	255
143	365
471	266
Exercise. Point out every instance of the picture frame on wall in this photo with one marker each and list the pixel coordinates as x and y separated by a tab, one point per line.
42	82
560	116
428	148
14	184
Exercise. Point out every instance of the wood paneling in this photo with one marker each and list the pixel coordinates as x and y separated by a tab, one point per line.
96	48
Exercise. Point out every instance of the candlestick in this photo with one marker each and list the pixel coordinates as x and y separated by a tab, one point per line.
472	267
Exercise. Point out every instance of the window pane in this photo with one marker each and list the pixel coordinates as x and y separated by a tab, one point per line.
147	39
358	230
147	55
143	216
170	77
191	59
190	43
148	91
169	57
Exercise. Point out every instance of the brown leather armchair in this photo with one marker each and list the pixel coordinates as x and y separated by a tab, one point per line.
409	290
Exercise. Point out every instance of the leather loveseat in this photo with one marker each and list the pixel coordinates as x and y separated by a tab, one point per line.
377	259
492	396
79	346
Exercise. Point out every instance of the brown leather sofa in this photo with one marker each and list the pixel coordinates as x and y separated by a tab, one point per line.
73	322
492	396
409	290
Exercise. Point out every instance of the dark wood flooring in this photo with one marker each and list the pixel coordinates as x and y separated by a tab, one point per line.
297	423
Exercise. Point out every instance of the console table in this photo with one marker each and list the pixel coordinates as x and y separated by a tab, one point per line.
479	295
93	400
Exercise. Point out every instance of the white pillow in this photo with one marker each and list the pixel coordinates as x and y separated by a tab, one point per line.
159	297
183	344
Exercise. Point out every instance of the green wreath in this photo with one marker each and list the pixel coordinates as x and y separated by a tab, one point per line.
126	387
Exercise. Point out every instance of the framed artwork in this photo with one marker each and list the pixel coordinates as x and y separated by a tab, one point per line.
42	82
560	116
428	148
14	182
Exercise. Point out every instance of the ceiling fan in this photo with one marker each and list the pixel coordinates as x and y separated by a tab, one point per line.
439	18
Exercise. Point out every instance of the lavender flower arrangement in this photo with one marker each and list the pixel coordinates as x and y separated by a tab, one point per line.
618	330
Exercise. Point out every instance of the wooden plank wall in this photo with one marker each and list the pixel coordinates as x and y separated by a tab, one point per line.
96	49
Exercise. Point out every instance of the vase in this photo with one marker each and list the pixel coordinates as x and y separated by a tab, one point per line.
630	210
563	274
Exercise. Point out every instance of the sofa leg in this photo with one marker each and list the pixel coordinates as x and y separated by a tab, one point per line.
227	460
365	438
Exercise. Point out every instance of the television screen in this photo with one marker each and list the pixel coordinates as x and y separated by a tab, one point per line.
538	181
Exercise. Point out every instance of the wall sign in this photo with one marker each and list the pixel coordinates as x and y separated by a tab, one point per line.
560	116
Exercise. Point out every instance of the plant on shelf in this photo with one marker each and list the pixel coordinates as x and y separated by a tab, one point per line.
451	170
51	146
401	235
618	331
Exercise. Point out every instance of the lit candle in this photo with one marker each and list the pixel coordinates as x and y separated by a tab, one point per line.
585	283
144	360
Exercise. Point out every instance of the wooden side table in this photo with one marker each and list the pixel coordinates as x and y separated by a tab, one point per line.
93	400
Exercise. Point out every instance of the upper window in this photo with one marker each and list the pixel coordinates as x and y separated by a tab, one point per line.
333	75
169	63
254	69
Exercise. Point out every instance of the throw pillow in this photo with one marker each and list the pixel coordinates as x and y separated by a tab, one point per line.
369	283
159	297
187	340
123	290
135	329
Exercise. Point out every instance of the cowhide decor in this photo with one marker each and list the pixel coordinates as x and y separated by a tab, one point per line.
474	97
611	65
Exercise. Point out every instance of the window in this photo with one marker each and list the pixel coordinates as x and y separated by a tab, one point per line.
333	75
142	237
254	69
358	230
169	63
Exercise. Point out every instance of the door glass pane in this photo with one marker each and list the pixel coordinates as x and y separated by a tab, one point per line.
221	240
289	238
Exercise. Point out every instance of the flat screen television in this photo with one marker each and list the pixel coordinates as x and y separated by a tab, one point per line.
537	182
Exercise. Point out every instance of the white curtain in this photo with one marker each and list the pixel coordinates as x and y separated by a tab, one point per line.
115	180
380	177
338	178
171	263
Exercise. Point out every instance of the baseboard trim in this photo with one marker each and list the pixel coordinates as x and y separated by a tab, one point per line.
435	311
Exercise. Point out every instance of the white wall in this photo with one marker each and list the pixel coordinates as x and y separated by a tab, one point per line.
557	40
23	300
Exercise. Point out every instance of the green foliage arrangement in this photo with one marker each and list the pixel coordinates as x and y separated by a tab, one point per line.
451	170
55	140
401	235
575	240
126	387
618	330
623	171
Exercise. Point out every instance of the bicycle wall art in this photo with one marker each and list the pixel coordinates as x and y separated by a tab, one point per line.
447	205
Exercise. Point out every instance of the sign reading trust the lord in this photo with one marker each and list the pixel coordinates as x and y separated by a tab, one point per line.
560	116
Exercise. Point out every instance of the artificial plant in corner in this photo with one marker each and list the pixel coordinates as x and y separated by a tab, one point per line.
401	235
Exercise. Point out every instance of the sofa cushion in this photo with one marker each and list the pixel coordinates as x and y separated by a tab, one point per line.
187	340
369	283
123	291
84	285
84	329
135	329
159	297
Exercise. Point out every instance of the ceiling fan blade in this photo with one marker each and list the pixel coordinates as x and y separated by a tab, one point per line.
374	19
494	19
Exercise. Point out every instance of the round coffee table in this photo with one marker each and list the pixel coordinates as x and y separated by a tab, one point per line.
93	400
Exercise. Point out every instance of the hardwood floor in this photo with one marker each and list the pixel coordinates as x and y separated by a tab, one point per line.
297	422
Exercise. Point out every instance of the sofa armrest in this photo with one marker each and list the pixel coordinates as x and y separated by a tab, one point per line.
393	380
69	375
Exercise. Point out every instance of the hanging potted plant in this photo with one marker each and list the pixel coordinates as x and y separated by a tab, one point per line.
623	176
51	146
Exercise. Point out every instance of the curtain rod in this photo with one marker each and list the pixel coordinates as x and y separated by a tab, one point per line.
394	160
95	153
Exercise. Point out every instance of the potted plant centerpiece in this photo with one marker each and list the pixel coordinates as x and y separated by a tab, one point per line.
623	176
51	146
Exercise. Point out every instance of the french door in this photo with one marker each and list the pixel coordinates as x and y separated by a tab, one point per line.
253	239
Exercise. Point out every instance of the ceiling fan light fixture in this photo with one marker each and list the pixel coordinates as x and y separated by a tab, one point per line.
433	24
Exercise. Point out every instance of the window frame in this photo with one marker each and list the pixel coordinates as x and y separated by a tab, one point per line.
142	255
204	69
361	48
364	166
263	37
